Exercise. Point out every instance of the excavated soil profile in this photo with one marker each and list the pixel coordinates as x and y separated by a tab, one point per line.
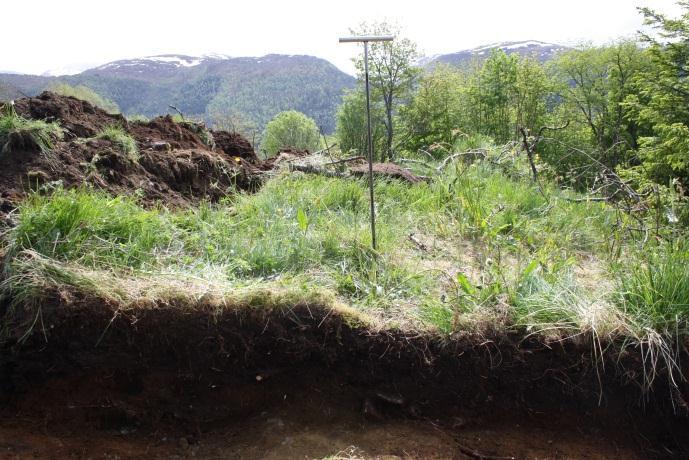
96	382
91	380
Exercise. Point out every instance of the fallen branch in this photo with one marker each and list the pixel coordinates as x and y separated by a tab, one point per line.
177	110
446	161
474	153
417	162
419	244
324	150
426	153
310	169
584	200
345	160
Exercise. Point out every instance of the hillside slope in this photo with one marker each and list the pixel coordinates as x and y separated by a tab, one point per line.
255	88
542	51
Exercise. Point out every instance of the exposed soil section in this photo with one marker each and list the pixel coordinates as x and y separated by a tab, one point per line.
303	383
176	166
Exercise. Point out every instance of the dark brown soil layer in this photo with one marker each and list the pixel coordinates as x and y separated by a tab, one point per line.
176	166
301	383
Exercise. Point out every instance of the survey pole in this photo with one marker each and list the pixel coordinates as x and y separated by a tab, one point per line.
365	40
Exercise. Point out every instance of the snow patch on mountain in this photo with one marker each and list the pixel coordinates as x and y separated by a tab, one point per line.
179	61
542	51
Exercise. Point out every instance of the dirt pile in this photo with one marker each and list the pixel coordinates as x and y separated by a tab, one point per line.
235	146
178	163
78	117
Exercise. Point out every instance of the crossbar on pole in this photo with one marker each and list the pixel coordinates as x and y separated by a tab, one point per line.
367	38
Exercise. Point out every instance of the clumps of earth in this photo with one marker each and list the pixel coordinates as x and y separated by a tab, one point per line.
177	163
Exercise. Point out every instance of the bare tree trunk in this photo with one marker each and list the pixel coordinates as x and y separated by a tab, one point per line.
390	134
387	154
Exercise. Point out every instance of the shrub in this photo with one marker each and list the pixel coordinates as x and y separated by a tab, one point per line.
290	129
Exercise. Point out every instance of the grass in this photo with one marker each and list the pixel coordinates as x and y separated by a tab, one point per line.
18	133
655	293
199	128
501	255
318	227
122	140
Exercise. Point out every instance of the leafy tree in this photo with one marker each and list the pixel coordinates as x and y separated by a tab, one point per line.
351	130
583	86
433	114
532	95
85	94
594	83
662	101
391	70
226	118
290	129
492	91
505	93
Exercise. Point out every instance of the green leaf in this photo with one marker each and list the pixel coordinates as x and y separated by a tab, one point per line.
530	268
302	220
465	284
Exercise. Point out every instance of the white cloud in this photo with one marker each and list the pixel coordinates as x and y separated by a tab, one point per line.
54	34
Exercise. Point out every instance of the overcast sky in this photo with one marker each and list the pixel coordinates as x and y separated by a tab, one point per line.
57	34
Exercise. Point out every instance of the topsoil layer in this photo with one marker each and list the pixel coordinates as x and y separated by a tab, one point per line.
176	165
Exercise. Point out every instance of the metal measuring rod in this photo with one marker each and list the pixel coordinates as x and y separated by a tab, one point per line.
365	39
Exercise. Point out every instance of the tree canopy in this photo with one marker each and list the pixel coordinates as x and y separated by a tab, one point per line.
290	129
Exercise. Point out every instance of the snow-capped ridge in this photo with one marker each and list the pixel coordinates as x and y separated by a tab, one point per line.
515	46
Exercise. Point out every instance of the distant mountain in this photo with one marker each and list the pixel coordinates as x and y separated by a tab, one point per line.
71	69
540	50
255	87
9	92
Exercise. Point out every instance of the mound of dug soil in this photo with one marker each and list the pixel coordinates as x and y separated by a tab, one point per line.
78	117
176	165
235	146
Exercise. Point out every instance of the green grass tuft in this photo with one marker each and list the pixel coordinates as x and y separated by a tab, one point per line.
18	133
122	140
654	292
